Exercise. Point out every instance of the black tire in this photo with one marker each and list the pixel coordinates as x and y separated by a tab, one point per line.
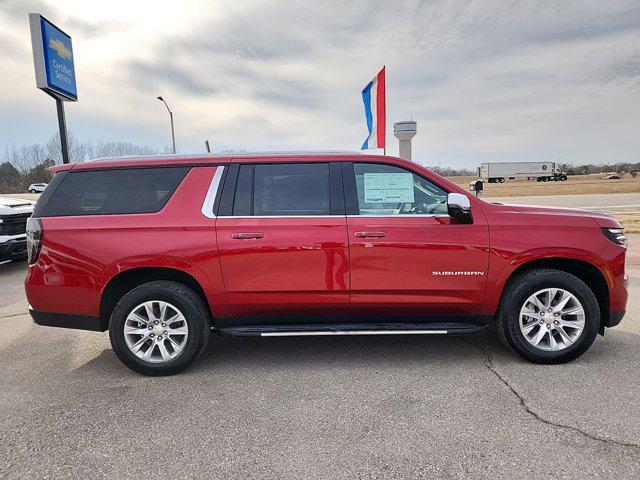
515	295
32	191
502	180
187	301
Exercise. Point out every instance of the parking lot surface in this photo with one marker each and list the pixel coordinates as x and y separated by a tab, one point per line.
346	407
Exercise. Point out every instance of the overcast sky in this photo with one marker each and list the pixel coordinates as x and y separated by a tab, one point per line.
485	80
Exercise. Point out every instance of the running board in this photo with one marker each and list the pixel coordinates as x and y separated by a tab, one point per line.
353	332
353	329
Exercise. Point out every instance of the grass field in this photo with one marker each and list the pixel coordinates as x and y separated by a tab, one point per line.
631	222
578	184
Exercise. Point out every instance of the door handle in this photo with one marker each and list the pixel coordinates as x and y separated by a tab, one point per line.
247	235
377	234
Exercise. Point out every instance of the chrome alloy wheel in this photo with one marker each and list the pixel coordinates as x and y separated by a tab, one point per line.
156	331
552	319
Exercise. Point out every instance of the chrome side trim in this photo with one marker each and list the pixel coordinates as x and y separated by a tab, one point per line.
335	216
354	332
422	215
210	198
280	216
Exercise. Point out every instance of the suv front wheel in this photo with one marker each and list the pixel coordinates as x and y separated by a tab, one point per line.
548	316
159	328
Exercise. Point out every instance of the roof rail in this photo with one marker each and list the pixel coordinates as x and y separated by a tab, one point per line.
230	154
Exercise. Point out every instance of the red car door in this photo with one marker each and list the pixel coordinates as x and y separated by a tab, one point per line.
282	239
407	255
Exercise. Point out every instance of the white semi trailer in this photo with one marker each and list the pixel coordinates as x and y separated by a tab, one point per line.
500	171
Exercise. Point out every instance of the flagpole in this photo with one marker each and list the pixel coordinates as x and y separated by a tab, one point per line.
384	149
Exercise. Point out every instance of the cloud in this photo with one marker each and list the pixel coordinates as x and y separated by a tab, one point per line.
485	79
624	69
159	75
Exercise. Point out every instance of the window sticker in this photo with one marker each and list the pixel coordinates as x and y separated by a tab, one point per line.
388	188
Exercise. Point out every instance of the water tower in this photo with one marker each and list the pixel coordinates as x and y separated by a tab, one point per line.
404	132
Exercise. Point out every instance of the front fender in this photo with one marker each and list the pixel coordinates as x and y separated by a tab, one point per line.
501	269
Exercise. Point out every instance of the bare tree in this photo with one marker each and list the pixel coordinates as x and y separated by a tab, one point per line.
31	162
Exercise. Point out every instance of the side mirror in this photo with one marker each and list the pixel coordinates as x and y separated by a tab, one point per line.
459	207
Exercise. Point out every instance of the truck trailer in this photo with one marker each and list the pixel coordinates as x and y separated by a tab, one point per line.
541	171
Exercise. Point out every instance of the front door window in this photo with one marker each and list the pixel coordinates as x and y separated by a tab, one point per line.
389	190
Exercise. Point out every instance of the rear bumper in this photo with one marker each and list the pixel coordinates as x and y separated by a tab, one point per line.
67	320
13	250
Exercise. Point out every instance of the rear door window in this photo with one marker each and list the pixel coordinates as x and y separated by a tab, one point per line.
287	189
291	189
114	191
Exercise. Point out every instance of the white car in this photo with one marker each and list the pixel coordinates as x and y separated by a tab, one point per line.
37	187
14	213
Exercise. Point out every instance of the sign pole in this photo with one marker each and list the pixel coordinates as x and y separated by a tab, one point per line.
62	125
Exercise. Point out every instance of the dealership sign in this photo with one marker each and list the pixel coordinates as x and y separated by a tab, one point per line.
53	59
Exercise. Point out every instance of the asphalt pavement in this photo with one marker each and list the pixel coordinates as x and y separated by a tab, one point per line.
346	407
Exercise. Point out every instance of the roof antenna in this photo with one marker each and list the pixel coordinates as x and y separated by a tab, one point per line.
206	145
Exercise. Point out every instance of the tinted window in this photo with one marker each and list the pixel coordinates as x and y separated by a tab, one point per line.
104	192
389	190
243	203
289	189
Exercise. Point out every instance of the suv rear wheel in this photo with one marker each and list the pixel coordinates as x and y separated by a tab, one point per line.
159	328
548	316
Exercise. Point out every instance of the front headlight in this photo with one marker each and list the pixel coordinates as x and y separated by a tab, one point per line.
616	235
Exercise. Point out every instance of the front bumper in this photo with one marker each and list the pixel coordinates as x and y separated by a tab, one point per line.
615	318
13	249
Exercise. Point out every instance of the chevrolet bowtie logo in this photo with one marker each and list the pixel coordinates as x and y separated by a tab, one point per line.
58	46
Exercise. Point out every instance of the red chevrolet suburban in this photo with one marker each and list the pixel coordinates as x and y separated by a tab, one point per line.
161	251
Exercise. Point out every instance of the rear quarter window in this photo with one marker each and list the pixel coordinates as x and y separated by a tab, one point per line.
114	191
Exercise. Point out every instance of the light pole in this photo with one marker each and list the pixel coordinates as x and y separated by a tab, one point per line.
173	135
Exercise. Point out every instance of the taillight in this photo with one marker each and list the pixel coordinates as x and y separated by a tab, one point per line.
34	239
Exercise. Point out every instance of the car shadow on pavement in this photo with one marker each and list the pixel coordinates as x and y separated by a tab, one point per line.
225	352
348	350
